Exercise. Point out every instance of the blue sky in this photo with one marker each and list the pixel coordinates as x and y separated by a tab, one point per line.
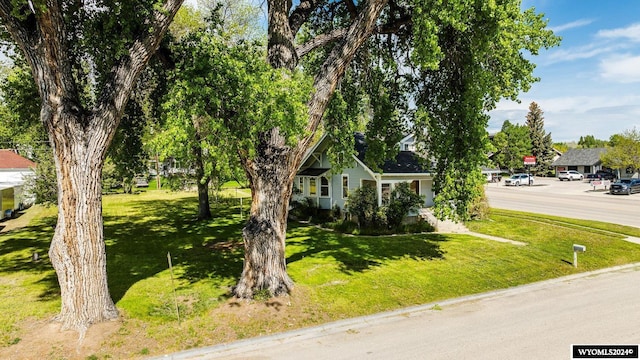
590	84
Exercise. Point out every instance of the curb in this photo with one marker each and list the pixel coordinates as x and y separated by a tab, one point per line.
237	347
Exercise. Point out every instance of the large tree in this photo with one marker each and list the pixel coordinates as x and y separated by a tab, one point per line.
541	143
624	152
85	58
387	34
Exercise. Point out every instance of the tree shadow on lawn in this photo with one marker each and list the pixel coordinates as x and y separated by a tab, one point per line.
360	253
137	246
18	246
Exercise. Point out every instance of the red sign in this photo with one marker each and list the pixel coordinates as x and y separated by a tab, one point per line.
529	160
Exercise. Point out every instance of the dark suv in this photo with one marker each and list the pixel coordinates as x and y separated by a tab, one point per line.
625	186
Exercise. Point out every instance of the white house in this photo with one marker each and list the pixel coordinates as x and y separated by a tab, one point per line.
316	181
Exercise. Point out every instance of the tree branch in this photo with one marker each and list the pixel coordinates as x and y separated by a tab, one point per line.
301	14
336	34
116	91
335	66
353	11
320	40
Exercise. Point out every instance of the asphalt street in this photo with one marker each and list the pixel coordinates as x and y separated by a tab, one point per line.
575	199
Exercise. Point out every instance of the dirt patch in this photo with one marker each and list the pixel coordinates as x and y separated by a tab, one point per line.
130	338
45	340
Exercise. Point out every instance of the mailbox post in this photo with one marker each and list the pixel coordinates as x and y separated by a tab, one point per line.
576	250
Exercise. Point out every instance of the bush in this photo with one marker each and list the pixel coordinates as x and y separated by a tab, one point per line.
479	207
363	204
403	200
302	209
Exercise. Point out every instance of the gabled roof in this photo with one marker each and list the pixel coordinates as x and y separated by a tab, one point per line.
10	160
405	162
577	157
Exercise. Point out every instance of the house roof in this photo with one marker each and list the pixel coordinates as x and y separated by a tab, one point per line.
10	160
313	171
576	157
405	162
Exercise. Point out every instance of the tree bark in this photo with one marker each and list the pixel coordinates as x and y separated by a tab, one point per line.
77	249
270	177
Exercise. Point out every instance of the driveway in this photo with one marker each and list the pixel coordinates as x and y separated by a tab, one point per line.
575	199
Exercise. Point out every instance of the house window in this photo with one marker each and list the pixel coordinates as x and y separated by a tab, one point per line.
345	186
415	186
386	193
301	185
324	187
312	187
587	169
571	167
369	183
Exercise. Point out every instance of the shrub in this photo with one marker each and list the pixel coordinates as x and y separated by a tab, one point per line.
403	200
363	204
302	209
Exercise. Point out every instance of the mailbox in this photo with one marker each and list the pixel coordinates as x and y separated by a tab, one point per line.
579	248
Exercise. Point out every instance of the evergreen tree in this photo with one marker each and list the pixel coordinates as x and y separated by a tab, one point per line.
541	143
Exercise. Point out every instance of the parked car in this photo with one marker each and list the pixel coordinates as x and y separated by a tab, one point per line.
570	175
602	175
625	186
519	179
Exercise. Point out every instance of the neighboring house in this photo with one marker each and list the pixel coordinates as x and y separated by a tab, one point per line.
491	174
585	161
316	181
588	161
14	171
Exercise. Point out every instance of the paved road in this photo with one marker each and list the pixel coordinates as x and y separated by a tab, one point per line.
538	321
571	199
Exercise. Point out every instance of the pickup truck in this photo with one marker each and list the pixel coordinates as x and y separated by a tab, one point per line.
601	175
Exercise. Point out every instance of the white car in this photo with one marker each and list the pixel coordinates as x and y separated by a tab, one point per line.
519	179
570	175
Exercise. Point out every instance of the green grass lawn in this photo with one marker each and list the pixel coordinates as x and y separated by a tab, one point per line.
336	276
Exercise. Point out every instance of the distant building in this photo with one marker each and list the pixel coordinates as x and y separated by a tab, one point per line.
14	171
585	161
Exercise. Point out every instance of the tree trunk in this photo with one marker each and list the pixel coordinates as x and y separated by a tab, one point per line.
204	210
270	176
77	249
272	170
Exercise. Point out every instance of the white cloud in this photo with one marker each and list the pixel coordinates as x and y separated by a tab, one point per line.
569	117
571	25
582	52
631	32
621	68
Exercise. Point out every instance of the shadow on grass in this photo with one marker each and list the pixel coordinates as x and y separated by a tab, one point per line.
18	247
137	246
360	253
